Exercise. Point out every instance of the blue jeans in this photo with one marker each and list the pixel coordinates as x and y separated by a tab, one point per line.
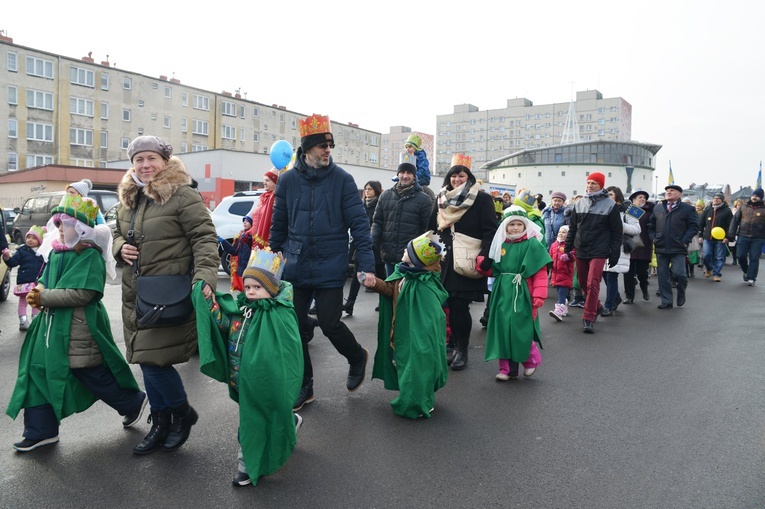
562	294
164	387
714	256
612	289
748	250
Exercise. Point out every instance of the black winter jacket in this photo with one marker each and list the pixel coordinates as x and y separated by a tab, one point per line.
595	228
710	218
671	232
399	219
30	265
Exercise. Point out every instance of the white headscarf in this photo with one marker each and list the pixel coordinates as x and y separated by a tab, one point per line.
533	231
76	231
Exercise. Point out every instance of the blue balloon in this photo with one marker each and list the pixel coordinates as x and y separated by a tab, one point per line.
281	154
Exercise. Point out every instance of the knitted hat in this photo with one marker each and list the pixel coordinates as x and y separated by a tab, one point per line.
272	176
266	279
315	130
266	268
558	194
424	250
83	187
247	218
149	144
415	141
597	177
83	209
37	232
407	167
719	195
758	192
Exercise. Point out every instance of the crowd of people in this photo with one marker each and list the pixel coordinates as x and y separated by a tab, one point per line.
428	255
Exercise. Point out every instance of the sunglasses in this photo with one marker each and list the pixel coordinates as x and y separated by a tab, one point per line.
325	146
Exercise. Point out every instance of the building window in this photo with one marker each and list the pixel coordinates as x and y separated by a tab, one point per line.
140	104
126	115
198	148
228	109
559	158
563	174
104	81
601	121
79	106
104	139
13	161
242	135
168	92
281	117
519	175
184	148
166	122
13	95
12	61
88	163
40	100
154	86
601	110
83	137
185	99
127	83
13	129
228	132
201	102
104	111
255	137
80	76
38	160
124	142
40	67
256	112
39	132
539	174
242	111
184	125
601	132
199	127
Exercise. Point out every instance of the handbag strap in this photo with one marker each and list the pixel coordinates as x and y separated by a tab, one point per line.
131	231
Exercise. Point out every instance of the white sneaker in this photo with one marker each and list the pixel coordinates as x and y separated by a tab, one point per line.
298	422
750	282
504	377
529	371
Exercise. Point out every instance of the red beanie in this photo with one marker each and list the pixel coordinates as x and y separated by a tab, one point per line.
272	176
598	177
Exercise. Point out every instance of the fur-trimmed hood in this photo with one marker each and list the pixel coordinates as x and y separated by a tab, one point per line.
160	189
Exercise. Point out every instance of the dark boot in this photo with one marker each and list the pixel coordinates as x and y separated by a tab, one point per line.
183	418
460	360
348	306
450	354
160	427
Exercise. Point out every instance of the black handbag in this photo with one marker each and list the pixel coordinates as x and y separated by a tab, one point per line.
162	300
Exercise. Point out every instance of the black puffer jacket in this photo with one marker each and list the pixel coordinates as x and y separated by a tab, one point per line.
398	219
712	218
749	221
595	228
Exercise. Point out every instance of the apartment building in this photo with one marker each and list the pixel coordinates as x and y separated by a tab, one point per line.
521	125
60	110
393	146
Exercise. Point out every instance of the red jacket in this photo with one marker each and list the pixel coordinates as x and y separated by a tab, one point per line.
562	272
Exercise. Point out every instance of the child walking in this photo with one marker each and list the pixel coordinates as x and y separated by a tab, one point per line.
30	265
518	263
562	274
240	253
69	359
411	330
252	343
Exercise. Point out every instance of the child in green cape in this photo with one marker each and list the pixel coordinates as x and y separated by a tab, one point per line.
411	331
251	342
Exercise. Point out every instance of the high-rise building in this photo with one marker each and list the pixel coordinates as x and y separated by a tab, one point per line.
60	110
491	134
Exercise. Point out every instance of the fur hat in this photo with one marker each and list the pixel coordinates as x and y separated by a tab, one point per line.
83	187
149	144
83	209
758	192
598	177
272	175
415	141
424	250
37	232
558	194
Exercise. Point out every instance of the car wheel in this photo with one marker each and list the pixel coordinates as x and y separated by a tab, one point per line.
225	262
6	286
18	239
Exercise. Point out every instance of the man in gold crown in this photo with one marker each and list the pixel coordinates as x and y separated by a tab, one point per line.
316	203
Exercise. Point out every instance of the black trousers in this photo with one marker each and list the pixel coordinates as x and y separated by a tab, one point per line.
639	270
329	309
461	322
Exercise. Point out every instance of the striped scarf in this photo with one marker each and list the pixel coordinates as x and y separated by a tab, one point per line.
453	204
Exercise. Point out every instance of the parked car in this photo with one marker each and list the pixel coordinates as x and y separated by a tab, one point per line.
8	215
110	218
37	210
227	218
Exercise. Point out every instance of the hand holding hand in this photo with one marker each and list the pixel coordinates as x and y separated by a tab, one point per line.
565	257
537	302
367	279
220	240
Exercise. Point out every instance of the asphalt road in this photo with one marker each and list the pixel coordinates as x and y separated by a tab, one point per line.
657	409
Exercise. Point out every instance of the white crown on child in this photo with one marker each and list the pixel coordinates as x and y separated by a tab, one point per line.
267	260
406	157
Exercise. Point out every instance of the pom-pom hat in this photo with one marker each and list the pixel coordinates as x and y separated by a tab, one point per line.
314	130
83	209
83	187
37	232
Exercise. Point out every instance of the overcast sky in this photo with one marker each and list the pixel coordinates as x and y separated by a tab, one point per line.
692	70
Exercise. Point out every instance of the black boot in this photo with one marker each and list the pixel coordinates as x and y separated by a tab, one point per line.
460	360
183	418
450	354
348	306
160	427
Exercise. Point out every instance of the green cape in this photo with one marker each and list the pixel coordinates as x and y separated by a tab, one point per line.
44	375
420	340
270	376
511	329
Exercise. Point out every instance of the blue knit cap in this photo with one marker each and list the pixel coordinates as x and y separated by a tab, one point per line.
247	218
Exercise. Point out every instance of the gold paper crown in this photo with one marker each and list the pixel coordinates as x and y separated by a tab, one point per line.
315	124
462	160
267	260
82	209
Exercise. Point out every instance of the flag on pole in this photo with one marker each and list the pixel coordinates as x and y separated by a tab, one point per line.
759	178
671	179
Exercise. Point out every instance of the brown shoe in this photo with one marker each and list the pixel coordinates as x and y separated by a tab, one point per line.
707	274
717	279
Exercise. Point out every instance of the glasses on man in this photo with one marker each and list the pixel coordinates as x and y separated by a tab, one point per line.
325	146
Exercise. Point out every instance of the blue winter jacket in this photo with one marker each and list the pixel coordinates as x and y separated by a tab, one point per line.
30	265
423	168
553	221
313	211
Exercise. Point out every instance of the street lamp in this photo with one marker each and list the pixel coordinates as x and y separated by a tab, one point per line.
656	189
